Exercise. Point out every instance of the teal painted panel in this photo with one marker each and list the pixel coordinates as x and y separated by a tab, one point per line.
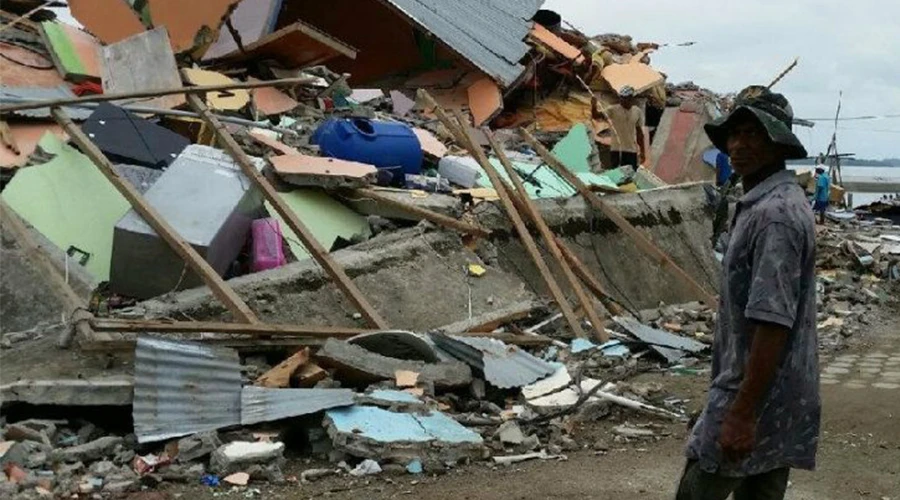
575	149
387	427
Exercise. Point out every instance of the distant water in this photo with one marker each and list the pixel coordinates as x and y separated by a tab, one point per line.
864	173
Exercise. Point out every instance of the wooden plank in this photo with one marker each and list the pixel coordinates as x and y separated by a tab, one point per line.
318	252
440	220
202	89
309	375
297	45
461	132
589	280
142	63
550	242
642	242
254	330
243	345
38	254
280	375
220	289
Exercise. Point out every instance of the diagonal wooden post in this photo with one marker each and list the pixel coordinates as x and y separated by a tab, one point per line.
318	252
550	241
464	138
232	301
642	242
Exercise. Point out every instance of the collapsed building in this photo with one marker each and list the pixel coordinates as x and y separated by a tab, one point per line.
228	213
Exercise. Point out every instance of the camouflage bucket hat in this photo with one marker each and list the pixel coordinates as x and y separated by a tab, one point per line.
774	113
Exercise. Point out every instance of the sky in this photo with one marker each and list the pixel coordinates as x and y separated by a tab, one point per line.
852	47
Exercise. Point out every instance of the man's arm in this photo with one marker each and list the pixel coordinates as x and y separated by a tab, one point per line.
738	436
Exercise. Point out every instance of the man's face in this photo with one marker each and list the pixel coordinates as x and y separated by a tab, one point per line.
627	102
749	146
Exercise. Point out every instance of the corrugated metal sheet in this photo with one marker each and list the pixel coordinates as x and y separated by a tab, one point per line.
10	95
668	345
260	404
181	388
504	366
489	33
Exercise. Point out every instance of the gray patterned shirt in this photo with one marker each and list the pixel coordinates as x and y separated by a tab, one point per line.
769	276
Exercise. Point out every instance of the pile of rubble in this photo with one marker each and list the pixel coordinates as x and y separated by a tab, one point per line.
209	143
858	269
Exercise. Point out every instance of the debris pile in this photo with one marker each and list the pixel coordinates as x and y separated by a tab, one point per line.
858	268
231	146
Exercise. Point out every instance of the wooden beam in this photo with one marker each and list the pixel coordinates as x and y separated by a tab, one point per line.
199	89
255	330
243	345
318	252
642	242
439	219
534	214
784	73
589	280
38	254
506	198
220	289
463	136
279	376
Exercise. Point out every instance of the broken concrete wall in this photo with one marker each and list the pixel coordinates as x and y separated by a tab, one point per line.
26	299
417	281
677	219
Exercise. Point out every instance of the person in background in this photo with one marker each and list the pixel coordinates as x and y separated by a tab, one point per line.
823	191
763	409
723	169
627	123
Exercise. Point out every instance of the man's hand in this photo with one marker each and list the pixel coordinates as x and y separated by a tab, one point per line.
738	435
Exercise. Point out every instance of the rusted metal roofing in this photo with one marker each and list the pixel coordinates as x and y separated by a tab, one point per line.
489	33
503	365
181	388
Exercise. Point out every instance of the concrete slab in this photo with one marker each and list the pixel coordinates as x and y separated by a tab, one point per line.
356	365
72	392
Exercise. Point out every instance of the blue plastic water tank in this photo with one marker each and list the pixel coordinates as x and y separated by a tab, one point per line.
386	145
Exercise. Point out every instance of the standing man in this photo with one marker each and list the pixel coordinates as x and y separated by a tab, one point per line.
823	191
762	414
627	124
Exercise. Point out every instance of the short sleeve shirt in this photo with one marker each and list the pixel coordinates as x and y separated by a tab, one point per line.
624	123
768	276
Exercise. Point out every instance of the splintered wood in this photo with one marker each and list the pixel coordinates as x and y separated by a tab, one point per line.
280	375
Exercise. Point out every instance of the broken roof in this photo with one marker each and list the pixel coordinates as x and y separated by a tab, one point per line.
502	365
489	33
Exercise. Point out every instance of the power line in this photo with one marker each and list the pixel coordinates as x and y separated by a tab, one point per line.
854	118
886	131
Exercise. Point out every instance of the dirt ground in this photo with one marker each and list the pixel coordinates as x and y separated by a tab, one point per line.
859	456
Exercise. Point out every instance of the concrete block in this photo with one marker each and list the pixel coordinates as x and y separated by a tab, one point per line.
198	446
240	454
25	453
88	452
357	365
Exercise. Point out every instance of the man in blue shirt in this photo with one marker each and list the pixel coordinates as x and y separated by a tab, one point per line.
763	409
823	192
